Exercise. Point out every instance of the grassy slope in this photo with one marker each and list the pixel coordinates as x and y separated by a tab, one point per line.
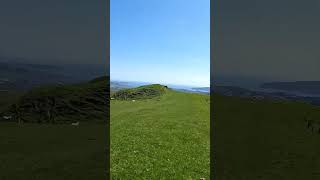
161	138
7	98
52	152
85	101
46	151
265	140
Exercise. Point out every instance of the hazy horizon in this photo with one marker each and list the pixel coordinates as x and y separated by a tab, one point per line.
156	82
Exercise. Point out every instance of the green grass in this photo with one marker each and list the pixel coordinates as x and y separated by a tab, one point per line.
86	101
52	152
7	98
56	151
165	137
142	92
265	140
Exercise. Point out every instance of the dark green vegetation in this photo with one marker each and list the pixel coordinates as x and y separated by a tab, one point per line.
142	92
51	152
63	104
7	98
163	137
265	139
55	149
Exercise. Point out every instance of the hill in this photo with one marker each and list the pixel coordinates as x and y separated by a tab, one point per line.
142	92
56	151
265	139
164	134
17	75
265	94
62	104
307	87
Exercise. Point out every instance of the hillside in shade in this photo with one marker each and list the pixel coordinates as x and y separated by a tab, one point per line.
63	104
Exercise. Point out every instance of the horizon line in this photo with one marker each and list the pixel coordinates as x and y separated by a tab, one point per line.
173	84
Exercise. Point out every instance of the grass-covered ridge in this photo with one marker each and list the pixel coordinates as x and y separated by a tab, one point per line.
142	92
161	138
62	104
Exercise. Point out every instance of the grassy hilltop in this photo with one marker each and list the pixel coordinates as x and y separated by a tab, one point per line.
42	149
159	133
142	92
265	139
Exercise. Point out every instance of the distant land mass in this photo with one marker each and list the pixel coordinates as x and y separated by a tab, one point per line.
24	76
306	87
117	85
260	94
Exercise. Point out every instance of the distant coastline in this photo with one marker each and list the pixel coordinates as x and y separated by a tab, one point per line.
185	88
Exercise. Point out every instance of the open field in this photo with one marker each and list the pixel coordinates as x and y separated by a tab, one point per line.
165	137
265	140
51	152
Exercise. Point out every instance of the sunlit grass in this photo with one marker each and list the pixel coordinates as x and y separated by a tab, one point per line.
165	137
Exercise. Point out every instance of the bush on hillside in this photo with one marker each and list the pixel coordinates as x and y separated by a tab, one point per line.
142	92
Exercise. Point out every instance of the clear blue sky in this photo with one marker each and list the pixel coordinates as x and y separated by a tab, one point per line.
163	41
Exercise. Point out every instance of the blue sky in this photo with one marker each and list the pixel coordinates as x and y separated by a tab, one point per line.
165	41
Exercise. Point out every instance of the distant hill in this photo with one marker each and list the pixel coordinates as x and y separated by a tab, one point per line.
24	76
86	101
118	85
263	94
207	89
307	87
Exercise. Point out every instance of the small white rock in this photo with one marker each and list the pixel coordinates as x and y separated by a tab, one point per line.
6	117
75	124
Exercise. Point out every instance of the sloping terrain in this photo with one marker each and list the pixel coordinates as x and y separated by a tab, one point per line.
142	92
63	104
163	137
265	139
52	152
55	149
